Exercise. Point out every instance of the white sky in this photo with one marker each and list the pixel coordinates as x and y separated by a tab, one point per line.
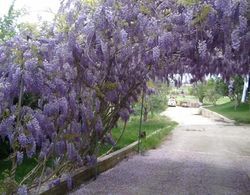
35	8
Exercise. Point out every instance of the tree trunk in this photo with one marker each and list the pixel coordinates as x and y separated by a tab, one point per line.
145	114
201	99
245	89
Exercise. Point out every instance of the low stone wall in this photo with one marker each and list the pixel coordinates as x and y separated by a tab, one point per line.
86	173
213	115
103	164
188	104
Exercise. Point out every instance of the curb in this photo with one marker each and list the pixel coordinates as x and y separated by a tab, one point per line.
103	164
213	115
86	173
188	104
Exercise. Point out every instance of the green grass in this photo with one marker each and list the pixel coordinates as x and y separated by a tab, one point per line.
241	114
155	140
223	100
190	98
23	169
154	122
186	98
131	133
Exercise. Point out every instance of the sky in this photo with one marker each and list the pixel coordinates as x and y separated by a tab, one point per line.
34	9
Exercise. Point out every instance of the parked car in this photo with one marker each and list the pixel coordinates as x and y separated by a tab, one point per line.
172	102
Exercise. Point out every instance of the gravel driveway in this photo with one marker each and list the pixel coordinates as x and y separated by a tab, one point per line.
200	157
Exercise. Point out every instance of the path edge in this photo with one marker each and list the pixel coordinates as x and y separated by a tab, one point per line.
214	115
103	164
86	173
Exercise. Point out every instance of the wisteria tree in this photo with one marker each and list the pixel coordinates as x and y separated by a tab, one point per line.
222	31
62	94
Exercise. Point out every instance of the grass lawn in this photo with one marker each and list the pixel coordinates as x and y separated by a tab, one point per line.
186	98
22	170
131	133
241	114
223	100
190	98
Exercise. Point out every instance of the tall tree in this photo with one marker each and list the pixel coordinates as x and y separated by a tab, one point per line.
8	23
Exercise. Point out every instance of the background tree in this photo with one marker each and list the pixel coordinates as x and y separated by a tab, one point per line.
8	23
221	86
198	90
210	90
155	101
30	29
213	92
236	89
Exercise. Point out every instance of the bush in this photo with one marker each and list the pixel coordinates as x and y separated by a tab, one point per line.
213	91
210	90
198	91
153	103
235	89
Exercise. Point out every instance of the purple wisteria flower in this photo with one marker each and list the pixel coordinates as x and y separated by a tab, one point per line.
243	24
6	125
19	157
124	114
124	36
225	6
236	39
109	139
22	190
244	4
54	182
99	125
31	147
60	148
34	127
156	53
71	151
23	140
69	182
202	48
91	160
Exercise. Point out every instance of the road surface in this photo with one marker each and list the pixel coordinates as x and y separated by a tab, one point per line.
201	157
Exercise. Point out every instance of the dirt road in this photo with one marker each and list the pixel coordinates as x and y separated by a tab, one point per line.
201	157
